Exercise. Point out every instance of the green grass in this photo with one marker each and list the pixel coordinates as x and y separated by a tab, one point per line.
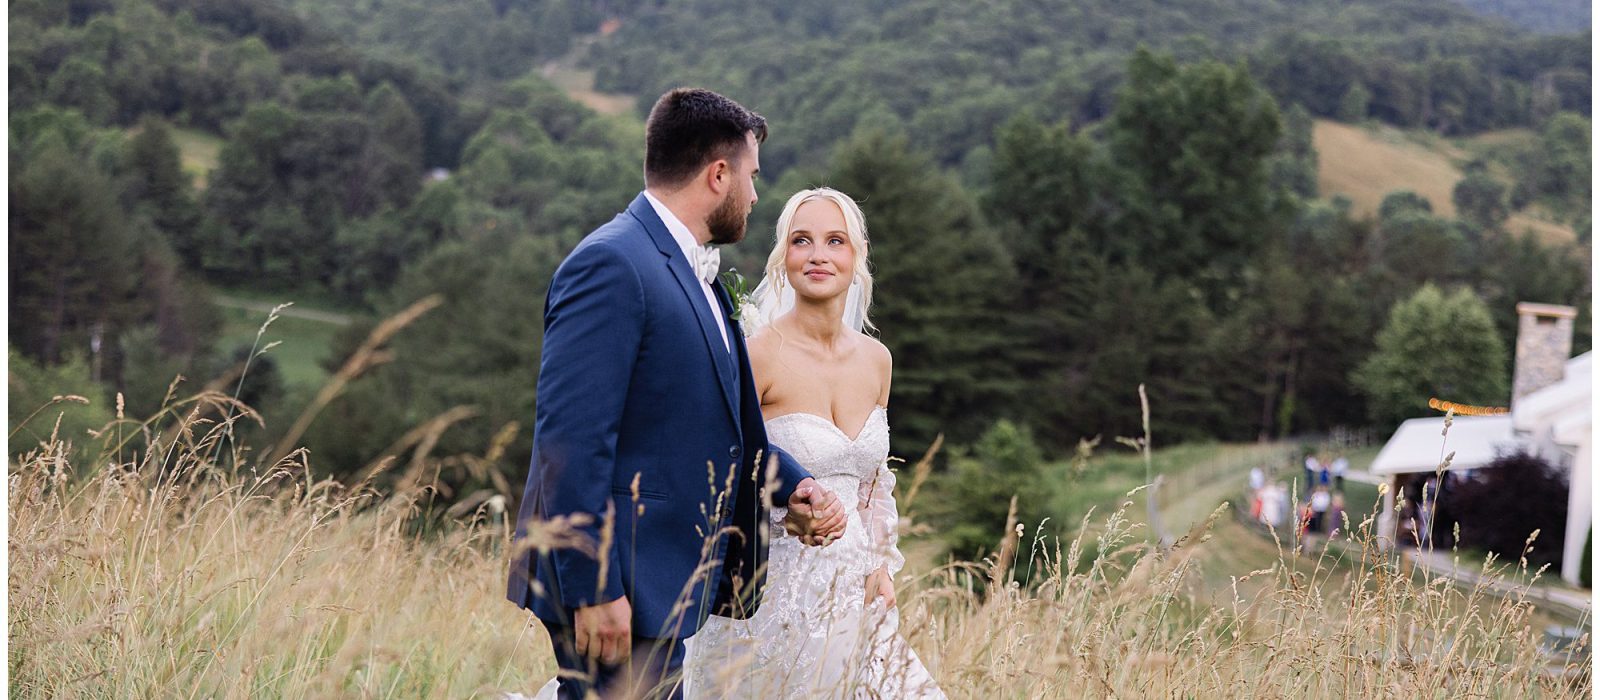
304	344
1359	497
1218	470
1200	477
304	299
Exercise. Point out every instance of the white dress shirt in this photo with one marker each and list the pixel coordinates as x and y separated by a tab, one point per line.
687	243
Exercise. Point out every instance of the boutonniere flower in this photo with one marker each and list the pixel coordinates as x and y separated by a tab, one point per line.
739	289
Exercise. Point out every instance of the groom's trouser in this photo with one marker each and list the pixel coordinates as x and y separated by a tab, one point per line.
652	670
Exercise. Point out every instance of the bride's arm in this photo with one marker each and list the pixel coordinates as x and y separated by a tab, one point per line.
878	511
882	521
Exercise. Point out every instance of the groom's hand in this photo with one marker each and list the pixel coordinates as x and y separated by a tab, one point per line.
816	515
605	632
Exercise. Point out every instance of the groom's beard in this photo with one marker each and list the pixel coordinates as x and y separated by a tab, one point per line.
727	221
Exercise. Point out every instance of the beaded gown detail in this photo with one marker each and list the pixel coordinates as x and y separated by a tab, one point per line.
814	636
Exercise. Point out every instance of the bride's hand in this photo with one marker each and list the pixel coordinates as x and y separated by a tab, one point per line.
880	583
816	515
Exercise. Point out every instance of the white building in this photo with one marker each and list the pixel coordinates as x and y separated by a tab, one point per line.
1556	423
1550	416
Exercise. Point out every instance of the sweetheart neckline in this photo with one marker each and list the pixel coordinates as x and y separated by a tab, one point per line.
853	440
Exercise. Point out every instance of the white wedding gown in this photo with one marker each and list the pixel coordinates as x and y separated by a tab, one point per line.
814	636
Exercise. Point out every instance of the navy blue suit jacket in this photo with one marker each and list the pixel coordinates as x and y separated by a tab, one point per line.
635	382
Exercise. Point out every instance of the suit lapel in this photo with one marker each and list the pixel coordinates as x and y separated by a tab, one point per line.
690	284
735	340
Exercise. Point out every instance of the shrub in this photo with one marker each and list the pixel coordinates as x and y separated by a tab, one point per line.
50	391
1500	505
975	494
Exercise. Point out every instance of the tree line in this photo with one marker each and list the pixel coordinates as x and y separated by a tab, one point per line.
823	68
1036	262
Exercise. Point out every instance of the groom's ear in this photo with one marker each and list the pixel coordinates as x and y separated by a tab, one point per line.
719	176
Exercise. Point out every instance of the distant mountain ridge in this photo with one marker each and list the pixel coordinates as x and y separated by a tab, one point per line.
1543	16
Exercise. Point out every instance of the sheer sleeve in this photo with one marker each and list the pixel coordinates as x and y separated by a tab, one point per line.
881	519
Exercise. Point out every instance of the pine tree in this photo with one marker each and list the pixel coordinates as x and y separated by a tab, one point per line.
1043	201
72	268
1194	142
158	188
943	290
392	161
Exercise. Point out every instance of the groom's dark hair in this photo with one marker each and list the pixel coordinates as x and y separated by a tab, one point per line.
689	128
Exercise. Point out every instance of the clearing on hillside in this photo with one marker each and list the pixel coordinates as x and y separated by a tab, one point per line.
1365	163
198	152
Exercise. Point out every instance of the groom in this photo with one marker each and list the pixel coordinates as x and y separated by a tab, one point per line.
648	422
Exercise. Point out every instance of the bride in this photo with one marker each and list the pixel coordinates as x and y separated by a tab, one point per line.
827	626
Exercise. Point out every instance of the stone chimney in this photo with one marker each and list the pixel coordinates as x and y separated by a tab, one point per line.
1544	344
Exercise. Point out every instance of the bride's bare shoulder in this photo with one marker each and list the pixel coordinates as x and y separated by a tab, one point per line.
878	354
762	341
876	349
763	347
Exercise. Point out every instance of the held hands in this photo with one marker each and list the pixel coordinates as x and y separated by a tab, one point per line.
816	515
880	583
605	632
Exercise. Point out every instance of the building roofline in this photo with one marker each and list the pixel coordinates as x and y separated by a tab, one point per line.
1556	310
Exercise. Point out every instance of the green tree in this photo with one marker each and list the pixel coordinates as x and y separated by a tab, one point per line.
1195	142
1481	199
975	493
1043	200
942	285
1434	345
1396	204
1043	183
1294	167
1564	146
375	251
1415	247
1331	257
392	162
158	189
1353	106
1516	269
31	390
497	258
81	85
72	265
1137	328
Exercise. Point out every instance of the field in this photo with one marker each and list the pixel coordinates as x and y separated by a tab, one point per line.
182	574
1365	163
198	152
303	342
578	83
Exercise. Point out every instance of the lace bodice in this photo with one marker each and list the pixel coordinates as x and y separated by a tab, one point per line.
814	635
847	466
835	459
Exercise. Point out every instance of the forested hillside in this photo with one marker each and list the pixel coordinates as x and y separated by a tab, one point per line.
1057	214
953	72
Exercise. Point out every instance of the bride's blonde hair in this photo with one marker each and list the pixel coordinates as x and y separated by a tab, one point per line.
855	225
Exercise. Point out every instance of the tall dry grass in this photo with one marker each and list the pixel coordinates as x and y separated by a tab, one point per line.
183	571
180	563
169	577
1127	623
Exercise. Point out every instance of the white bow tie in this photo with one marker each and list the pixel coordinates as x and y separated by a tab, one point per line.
706	261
